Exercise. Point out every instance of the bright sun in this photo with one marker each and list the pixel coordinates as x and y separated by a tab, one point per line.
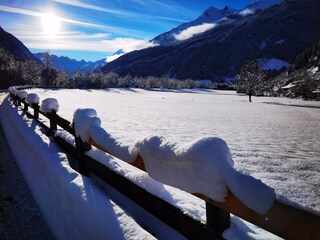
50	24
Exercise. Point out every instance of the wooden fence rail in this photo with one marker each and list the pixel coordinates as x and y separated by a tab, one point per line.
282	219
167	213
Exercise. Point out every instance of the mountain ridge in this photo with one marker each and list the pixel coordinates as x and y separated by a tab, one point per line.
70	65
209	16
281	32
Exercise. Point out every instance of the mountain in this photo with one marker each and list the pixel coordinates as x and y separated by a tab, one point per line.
92	66
70	65
207	21
210	16
15	47
279	32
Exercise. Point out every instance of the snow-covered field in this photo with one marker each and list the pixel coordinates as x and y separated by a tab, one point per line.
273	139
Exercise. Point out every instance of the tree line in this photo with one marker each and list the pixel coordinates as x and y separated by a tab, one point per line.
251	80
18	72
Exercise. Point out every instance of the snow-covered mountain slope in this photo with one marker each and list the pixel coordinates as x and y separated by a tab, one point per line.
197	26
279	32
71	65
91	66
207	20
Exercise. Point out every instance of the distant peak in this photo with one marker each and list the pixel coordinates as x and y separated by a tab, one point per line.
211	7
226	8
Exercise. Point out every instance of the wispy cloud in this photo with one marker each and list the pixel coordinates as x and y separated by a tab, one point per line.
38	14
172	7
246	12
113	57
195	30
76	3
20	11
72	35
129	45
171	10
147	5
105	27
79	41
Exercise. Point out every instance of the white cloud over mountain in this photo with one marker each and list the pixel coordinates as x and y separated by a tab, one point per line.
194	30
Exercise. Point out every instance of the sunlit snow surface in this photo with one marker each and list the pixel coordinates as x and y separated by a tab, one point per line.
274	139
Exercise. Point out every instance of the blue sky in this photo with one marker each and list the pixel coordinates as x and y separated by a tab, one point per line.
92	30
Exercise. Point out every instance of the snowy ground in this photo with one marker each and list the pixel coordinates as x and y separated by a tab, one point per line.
20	217
273	139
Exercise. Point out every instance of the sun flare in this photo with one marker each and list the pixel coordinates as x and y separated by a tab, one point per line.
50	24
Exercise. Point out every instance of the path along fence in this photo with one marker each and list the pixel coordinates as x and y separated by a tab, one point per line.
282	219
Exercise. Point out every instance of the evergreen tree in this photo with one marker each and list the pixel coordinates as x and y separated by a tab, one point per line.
251	79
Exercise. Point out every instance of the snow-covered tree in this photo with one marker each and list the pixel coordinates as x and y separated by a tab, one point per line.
251	79
48	74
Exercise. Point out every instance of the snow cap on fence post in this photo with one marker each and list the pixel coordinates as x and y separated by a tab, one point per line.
14	96
83	118
32	98
49	104
22	94
13	91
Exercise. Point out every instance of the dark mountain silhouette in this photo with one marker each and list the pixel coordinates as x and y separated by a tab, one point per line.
15	47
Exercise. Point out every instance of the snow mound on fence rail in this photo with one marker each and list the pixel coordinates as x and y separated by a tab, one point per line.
203	166
32	98
115	148
22	94
88	126
49	104
181	166
188	203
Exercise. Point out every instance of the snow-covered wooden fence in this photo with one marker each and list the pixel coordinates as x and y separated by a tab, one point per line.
281	219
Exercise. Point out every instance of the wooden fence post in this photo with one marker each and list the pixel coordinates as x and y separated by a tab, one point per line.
36	109
81	149
15	101
25	108
53	123
217	218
